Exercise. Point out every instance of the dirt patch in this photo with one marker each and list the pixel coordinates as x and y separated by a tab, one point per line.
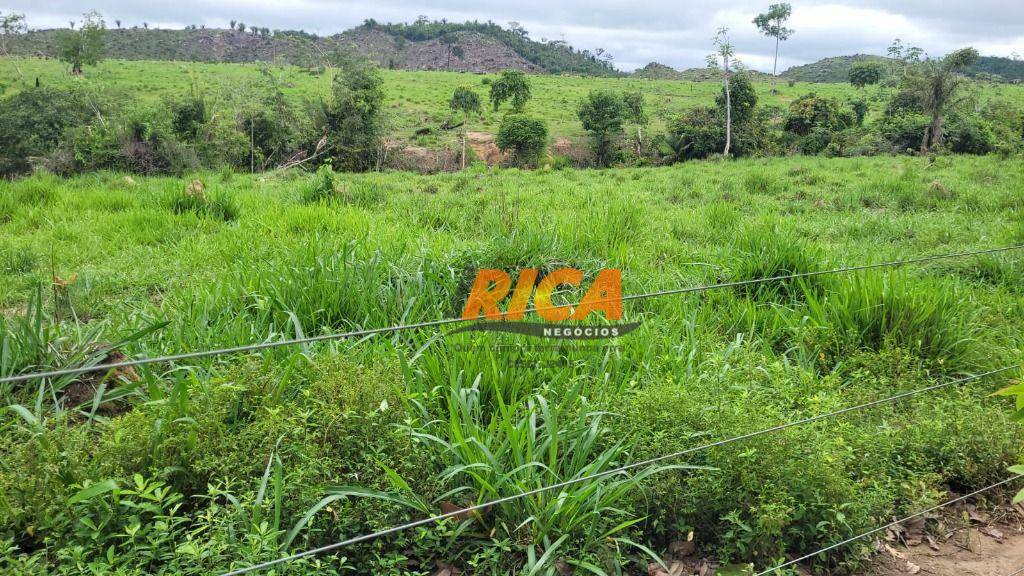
419	159
83	390
485	148
962	541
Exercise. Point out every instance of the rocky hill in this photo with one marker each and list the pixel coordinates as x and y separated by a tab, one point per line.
469	47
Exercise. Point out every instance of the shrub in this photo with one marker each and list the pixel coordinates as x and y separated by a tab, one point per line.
525	138
811	111
969	135
141	140
188	115
742	96
698	133
33	122
903	131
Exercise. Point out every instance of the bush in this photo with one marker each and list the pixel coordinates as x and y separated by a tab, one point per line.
743	98
188	115
141	141
33	122
698	133
903	131
811	111
524	138
969	135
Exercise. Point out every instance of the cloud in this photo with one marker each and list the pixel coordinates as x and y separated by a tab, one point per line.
674	33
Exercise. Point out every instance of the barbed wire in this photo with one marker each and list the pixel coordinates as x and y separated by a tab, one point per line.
887	526
619	470
448	321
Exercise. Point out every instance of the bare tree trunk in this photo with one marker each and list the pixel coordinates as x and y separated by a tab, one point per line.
936	130
463	148
775	64
925	137
728	109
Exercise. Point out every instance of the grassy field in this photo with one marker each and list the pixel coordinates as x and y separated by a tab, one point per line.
186	445
420	99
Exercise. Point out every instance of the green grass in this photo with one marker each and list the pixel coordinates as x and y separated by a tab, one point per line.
285	254
420	99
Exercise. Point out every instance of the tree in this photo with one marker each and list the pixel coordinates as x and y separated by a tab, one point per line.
465	100
512	85
935	83
11	24
450	41
352	122
602	114
85	46
773	24
241	26
721	60
865	74
635	113
118	24
524	137
233	22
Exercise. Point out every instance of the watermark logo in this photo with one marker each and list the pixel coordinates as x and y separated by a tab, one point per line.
493	288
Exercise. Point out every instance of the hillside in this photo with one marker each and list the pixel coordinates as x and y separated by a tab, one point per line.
658	71
469	47
1008	69
837	69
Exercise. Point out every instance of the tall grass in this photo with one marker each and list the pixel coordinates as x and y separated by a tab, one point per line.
935	320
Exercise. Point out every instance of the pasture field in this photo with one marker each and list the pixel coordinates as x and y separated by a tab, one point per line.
417	100
158	470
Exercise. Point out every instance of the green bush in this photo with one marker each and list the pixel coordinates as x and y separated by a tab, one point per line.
33	122
698	133
743	97
810	112
969	135
524	138
903	131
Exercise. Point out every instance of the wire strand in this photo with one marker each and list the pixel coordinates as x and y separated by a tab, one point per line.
447	321
889	525
626	468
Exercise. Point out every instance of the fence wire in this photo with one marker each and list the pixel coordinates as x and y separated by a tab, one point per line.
619	470
448	321
887	526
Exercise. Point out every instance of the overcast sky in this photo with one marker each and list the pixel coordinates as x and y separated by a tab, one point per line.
636	32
